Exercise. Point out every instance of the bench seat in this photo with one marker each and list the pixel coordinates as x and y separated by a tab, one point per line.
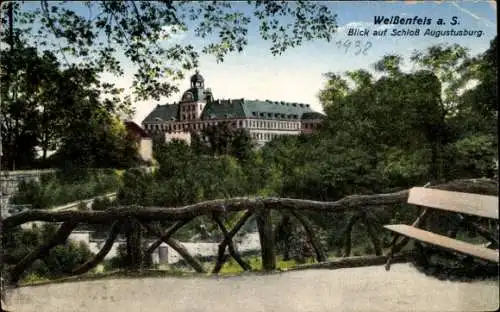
445	242
470	204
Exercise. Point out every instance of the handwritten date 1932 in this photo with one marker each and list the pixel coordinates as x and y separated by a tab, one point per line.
358	46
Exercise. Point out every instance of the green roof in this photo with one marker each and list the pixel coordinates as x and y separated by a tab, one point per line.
240	108
223	109
163	113
313	115
255	109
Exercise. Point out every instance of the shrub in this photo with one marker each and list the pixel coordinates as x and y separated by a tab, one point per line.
63	259
117	262
52	190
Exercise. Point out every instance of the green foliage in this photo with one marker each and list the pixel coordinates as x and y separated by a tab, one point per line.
139	29
223	139
63	259
136	188
52	191
381	134
232	267
117	262
60	261
473	156
53	108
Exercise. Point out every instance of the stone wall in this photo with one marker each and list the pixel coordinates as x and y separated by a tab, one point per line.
9	181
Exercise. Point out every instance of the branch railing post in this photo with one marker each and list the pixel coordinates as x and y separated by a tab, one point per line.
261	207
133	242
177	246
170	231
315	241
348	234
229	241
372	234
222	246
58	238
266	236
99	257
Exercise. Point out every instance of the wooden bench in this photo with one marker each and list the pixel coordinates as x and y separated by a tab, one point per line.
462	204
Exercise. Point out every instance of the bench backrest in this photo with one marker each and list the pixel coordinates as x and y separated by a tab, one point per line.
466	203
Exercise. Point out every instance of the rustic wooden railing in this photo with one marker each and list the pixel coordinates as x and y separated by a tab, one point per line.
131	220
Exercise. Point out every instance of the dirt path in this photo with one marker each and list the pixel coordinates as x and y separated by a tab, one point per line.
357	289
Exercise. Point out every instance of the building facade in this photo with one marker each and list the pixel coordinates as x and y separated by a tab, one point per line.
143	140
197	109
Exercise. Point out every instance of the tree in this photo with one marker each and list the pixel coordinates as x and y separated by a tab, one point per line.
445	61
389	64
474	147
417	125
140	29
44	106
224	139
335	88
19	82
361	78
61	260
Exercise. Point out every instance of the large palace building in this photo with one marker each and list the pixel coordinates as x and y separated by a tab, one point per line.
264	120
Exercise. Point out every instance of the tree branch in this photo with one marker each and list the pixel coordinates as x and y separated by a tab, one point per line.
224	206
113	234
229	239
170	231
59	238
373	234
222	246
320	255
45	9
347	235
177	246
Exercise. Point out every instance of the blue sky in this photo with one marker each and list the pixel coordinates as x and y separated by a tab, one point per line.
298	74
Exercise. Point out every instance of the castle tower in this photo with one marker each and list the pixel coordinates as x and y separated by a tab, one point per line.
194	99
